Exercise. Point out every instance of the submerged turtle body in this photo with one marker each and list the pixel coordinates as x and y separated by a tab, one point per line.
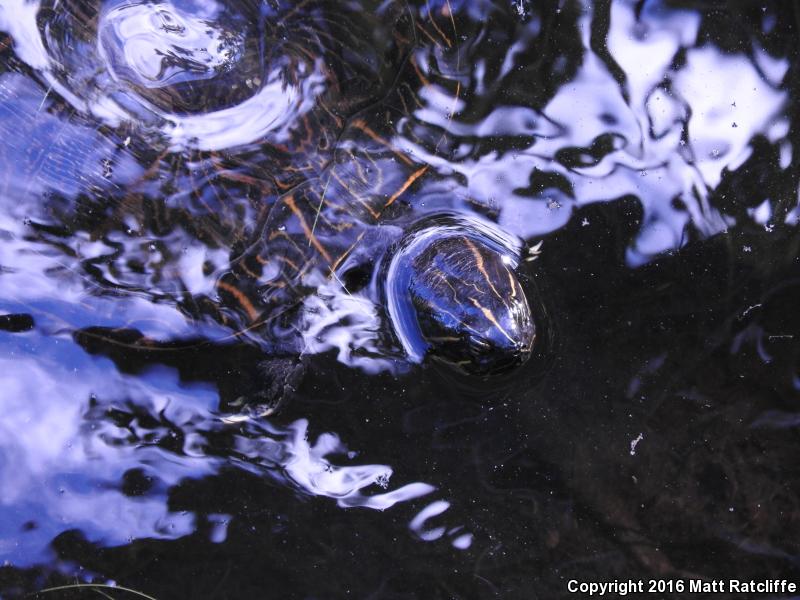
320	207
446	280
378	224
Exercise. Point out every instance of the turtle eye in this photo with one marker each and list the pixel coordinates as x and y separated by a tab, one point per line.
356	278
459	301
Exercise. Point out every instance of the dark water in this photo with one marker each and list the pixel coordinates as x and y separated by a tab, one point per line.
152	439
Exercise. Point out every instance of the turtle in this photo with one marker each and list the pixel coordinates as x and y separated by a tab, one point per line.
328	219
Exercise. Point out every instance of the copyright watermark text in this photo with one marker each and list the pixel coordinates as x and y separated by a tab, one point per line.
624	587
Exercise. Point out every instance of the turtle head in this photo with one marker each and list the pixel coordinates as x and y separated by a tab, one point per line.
454	296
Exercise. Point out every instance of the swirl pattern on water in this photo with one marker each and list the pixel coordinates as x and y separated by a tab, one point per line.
81	444
197	73
161	46
660	137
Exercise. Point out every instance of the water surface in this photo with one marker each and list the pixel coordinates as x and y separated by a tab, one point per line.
650	147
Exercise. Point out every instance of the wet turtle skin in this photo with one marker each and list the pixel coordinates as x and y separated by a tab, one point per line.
460	285
328	202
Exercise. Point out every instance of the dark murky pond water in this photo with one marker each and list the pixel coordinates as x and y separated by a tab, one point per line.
257	259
